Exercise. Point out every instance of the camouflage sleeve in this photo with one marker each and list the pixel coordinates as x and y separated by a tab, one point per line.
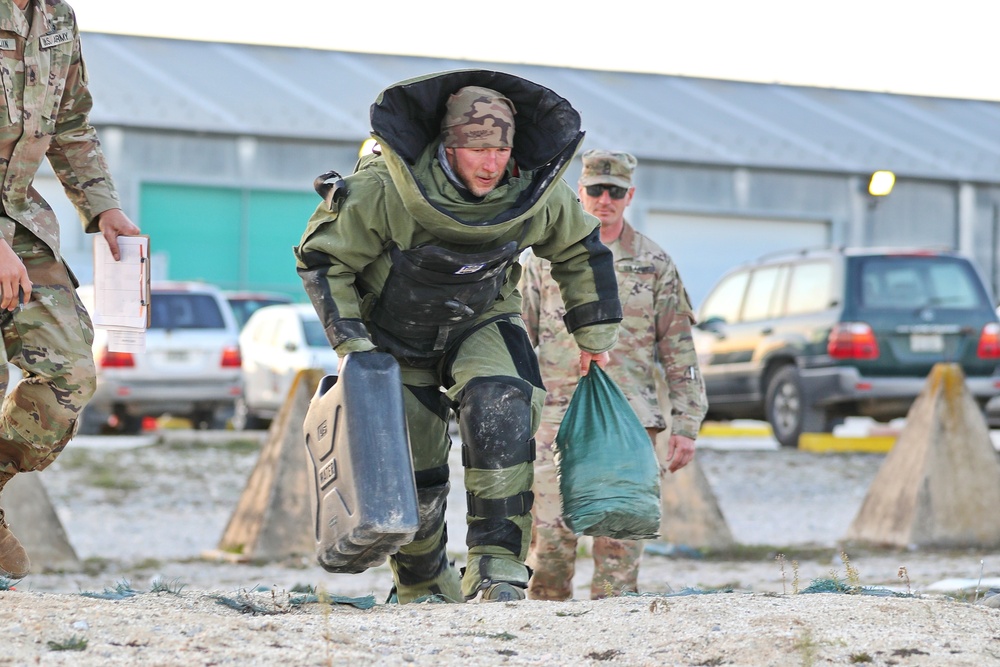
75	153
338	243
675	349
530	288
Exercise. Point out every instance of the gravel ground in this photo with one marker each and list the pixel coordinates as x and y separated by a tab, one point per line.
143	510
146	508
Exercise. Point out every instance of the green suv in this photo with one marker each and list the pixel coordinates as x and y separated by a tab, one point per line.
805	339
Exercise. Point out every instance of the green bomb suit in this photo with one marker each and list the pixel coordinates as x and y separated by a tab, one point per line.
483	369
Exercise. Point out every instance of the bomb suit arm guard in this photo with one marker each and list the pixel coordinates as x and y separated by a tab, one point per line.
584	269
341	239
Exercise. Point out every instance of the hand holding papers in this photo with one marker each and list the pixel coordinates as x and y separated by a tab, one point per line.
121	292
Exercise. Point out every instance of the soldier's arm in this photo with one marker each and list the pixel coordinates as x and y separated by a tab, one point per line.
675	349
530	287
75	153
680	451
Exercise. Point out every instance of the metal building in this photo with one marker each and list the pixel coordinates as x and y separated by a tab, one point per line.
215	146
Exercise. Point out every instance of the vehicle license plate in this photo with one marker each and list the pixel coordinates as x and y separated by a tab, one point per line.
926	343
177	355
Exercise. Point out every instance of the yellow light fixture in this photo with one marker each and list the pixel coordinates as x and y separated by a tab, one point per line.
881	183
368	146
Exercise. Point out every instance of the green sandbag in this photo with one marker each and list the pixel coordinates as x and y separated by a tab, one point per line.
608	475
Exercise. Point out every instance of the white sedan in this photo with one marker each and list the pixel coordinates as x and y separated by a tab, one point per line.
276	343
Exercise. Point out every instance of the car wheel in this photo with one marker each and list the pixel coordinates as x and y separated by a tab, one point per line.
92	422
208	420
243	419
786	408
241	415
129	425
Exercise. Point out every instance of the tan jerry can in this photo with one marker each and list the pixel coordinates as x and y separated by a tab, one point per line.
365	497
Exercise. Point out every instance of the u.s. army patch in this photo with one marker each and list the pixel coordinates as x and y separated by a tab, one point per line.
635	268
7	44
55	38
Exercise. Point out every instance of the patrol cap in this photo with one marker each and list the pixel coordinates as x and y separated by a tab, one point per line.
607	168
477	117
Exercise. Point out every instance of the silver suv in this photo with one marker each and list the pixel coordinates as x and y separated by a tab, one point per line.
191	367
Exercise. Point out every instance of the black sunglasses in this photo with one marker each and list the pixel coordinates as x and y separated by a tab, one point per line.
615	191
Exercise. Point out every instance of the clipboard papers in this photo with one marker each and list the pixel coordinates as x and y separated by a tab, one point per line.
121	292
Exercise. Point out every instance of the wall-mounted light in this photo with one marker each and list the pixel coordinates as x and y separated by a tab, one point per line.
881	183
368	146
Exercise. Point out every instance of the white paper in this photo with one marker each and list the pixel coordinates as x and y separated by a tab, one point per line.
126	340
121	292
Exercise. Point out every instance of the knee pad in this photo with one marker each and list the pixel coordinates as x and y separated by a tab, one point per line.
495	425
494	419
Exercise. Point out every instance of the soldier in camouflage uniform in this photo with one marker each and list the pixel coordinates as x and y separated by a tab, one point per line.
416	254
655	338
44	114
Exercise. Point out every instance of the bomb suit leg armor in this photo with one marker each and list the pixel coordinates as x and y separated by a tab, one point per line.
499	396
421	569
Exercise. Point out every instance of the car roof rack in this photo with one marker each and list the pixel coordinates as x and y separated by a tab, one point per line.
800	252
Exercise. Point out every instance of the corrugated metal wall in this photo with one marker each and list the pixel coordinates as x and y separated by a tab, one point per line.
259	123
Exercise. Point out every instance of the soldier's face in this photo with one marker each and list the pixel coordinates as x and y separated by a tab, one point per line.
609	211
479	168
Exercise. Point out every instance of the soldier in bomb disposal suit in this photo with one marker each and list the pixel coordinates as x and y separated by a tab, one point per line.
655	337
44	114
416	254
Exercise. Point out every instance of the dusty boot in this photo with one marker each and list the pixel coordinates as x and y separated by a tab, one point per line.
502	591
14	562
420	569
445	587
494	579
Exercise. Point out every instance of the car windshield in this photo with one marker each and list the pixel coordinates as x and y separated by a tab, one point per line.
315	336
243	308
918	282
175	310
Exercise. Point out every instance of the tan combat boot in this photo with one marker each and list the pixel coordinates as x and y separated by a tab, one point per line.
14	562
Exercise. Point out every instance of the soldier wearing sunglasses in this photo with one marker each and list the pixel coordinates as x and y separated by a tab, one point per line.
655	334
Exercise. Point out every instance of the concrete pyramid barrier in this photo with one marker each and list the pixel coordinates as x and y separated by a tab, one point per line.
690	513
33	519
273	517
939	486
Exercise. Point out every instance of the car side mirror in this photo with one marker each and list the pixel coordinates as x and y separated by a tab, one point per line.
713	324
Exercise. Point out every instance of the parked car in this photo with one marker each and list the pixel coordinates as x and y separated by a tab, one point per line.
191	367
278	342
245	304
805	339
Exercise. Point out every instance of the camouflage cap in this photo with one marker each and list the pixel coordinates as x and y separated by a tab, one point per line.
607	168
478	117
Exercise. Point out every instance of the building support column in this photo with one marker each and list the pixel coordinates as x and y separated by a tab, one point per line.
966	241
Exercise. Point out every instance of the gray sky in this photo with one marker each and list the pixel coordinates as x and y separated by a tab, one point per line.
939	49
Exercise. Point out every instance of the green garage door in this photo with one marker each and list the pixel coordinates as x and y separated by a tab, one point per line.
233	238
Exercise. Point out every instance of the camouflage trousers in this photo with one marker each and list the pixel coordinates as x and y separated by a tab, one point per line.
50	340
552	555
490	378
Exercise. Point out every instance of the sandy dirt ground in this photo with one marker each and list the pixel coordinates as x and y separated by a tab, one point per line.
140	514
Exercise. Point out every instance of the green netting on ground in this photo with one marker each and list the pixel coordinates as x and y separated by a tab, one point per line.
832	585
